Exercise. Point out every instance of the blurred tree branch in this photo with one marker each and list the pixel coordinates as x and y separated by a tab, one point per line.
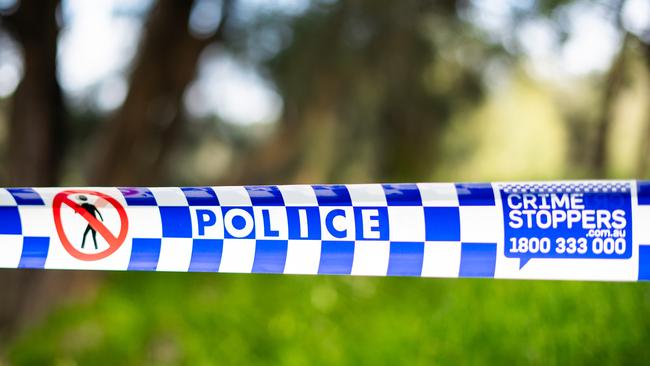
134	144
613	85
614	82
369	112
644	158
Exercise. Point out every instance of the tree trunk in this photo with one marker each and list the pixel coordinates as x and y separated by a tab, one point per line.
36	144
36	128
613	86
644	159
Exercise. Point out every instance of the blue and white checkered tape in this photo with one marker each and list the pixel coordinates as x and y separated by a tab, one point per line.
585	230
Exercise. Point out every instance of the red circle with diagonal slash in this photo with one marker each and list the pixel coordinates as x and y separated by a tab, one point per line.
114	242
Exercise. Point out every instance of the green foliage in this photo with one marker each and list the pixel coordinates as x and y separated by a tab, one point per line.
197	319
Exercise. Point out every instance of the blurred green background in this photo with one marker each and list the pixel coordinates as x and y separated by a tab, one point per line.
208	92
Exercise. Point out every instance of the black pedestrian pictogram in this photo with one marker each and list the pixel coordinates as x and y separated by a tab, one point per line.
91	209
88	212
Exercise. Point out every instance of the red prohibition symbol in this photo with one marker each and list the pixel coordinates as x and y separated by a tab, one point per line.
114	242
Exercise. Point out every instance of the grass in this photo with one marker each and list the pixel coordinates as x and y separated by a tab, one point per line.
200	319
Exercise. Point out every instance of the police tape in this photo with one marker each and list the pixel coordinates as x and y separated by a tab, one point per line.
581	230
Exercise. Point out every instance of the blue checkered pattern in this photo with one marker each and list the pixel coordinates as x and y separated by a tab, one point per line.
408	225
20	246
418	229
424	229
643	196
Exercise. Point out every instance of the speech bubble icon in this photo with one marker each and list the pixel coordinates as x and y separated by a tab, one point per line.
524	257
523	260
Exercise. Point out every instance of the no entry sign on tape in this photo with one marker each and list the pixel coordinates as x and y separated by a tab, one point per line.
585	230
88	213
